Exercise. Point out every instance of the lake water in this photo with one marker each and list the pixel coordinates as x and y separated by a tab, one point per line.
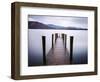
80	45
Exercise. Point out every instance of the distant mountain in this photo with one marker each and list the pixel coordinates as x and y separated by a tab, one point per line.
66	28
55	26
76	28
38	25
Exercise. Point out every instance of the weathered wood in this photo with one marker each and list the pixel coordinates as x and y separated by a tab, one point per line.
71	48
56	36
65	40
52	40
63	37
58	55
44	49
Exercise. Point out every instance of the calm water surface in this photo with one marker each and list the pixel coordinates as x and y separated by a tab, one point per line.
80	48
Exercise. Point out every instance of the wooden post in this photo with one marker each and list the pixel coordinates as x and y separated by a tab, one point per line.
52	40
71	49
44	49
56	36
65	40
63	37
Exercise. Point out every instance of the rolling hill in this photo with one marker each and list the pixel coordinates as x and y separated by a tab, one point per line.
38	25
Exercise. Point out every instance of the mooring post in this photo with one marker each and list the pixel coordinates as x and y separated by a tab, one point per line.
52	40
44	49
71	49
63	37
56	37
65	40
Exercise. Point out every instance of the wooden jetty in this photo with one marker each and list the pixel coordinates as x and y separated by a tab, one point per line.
58	54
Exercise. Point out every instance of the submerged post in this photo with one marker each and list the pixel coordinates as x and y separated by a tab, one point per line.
52	40
71	48
44	49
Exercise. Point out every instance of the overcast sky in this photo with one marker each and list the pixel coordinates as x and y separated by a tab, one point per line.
66	21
